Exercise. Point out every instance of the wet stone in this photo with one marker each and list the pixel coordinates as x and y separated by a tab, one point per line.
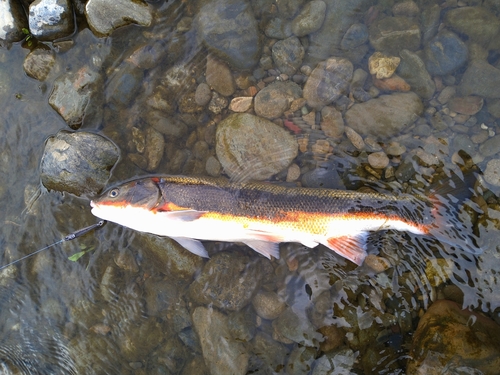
104	16
406	9
395	84
430	21
491	146
447	93
213	167
278	28
412	70
328	81
268	305
310	18
481	79
219	77
355	36
393	34
228	281
50	19
492	172
203	94
355	138
169	126
468	105
383	66
440	337
288	54
378	160
78	163
38	63
228	28
296	327
276	98
300	360
338	362
12	22
241	104
223	354
332	123
445	53
395	149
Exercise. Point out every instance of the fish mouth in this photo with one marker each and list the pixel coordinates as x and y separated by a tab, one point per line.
92	204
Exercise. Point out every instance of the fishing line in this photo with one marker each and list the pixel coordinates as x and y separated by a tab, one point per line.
69	237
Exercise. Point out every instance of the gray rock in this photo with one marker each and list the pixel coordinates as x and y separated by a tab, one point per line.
481	79
172	127
75	97
229	29
492	172
12	22
288	55
228	281
310	18
339	17
105	16
251	147
297	327
219	77
288	8
38	63
429	21
268	305
378	160
78	163
332	122
271	354
337	362
223	354
328	81
278	28
123	85
463	142
412	70
300	360
491	146
393	34
494	107
406	8
273	100
355	36
203	94
480	25
445	53
51	19
385	116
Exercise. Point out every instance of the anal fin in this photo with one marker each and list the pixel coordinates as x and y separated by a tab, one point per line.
265	248
194	246
350	247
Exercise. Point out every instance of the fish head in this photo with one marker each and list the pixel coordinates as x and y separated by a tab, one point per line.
124	200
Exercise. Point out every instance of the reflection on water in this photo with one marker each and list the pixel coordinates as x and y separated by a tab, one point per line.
131	304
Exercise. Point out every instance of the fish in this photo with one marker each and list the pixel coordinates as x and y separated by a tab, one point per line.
263	215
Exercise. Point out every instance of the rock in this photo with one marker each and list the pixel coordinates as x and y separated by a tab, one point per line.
38	63
136	341
217	103
123	85
494	107
338	362
203	94
75	97
153	152
270	353
310	18
393	34
12	22
223	354
171	127
394	83
288	55
481	79
278	28
273	100
355	138
355	36
293	173
382	66
289	8
468	105
105	16
219	77
440	340
268	305
378	160
229	29
253	147
297	327
339	17
213	167
406	8
412	70
430	21
78	163
327	82
492	172
386	116
228	281
445	53
447	93
332	122
50	19
480	25
395	149
241	104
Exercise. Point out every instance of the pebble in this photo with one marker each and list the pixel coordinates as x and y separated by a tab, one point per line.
219	76
394	83
241	104
492	172
203	94
383	66
268	305
491	146
355	138
468	105
446	94
376	263
445	54
332	123
38	63
395	149
273	100
412	69
355	36
217	103
393	34
406	9
378	160
288	54
293	173
310	18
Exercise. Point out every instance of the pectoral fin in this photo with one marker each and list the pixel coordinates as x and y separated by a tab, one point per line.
265	248
194	246
350	247
183	215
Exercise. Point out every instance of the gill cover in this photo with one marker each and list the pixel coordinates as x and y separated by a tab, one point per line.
143	193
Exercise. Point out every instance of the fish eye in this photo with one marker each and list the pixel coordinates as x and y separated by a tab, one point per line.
113	193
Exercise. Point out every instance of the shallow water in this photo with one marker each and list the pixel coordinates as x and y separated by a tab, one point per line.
126	308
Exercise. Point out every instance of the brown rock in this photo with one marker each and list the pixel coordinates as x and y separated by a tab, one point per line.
332	122
394	83
241	104
468	105
219	77
447	333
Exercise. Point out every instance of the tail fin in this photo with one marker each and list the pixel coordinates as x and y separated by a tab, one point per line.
447	199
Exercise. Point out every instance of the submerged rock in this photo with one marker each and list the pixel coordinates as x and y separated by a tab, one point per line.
105	16
38	63
288	55
481	79
78	163
310	18
412	70
252	147
273	100
51	19
385	116
445	53
393	34
448	334
12	22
